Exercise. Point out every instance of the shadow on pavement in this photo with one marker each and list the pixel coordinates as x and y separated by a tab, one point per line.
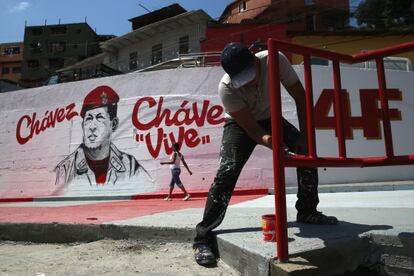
331	233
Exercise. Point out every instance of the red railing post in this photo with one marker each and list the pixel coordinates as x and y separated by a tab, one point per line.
309	107
280	161
382	89
278	154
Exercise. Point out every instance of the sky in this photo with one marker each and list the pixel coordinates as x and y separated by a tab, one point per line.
104	16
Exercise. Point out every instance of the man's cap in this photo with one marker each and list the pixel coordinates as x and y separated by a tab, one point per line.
99	97
238	62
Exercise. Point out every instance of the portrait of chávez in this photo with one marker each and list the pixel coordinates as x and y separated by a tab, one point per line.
97	164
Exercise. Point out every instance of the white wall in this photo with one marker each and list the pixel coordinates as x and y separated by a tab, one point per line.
28	169
170	46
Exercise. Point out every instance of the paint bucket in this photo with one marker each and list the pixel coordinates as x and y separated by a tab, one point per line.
269	227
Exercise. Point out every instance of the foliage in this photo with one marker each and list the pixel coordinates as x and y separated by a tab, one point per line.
386	14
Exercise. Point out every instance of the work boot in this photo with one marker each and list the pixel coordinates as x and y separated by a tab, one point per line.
316	218
203	254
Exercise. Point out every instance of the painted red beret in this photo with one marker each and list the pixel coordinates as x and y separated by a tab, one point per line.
100	96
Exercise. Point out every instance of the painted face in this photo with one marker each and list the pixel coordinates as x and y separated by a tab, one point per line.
96	128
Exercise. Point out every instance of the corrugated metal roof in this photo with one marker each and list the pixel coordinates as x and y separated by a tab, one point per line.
148	31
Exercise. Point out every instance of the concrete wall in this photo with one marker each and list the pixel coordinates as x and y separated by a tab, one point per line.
170	46
42	127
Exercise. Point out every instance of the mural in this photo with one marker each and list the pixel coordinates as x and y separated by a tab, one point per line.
97	163
106	136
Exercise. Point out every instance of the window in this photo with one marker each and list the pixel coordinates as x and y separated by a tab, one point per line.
35	47
17	70
398	63
310	23
53	80
5	70
37	31
56	47
9	51
156	56
242	6
58	30
133	61
33	63
56	63
184	44
309	2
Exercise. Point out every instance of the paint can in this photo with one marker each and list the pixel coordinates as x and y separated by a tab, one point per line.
269	227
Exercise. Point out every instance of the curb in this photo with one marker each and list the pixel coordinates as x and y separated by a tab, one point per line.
67	233
365	250
357	187
386	253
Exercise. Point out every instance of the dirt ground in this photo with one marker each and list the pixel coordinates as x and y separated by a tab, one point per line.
104	257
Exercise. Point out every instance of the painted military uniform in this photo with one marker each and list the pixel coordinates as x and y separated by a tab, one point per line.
124	175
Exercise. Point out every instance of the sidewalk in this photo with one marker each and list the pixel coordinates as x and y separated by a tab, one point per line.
367	219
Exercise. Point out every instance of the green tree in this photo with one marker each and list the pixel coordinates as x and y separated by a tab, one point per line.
386	14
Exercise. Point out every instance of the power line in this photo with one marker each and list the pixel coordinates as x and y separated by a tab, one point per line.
142	6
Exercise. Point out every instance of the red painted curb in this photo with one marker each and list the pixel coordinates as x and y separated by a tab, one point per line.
239	192
17	199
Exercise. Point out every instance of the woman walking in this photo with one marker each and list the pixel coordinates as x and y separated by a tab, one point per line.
175	161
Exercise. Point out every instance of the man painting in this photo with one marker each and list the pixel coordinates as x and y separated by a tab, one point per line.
244	91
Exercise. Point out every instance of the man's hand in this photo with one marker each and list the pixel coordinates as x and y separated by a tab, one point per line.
245	119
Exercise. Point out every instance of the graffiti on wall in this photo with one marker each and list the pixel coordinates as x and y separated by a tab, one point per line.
371	113
75	144
97	164
183	118
29	126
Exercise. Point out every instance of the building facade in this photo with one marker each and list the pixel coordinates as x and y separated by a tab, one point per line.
51	47
11	57
252	35
299	15
353	42
158	41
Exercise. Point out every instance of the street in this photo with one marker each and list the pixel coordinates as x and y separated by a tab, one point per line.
104	257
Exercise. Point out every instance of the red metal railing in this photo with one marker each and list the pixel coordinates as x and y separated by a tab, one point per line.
312	160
